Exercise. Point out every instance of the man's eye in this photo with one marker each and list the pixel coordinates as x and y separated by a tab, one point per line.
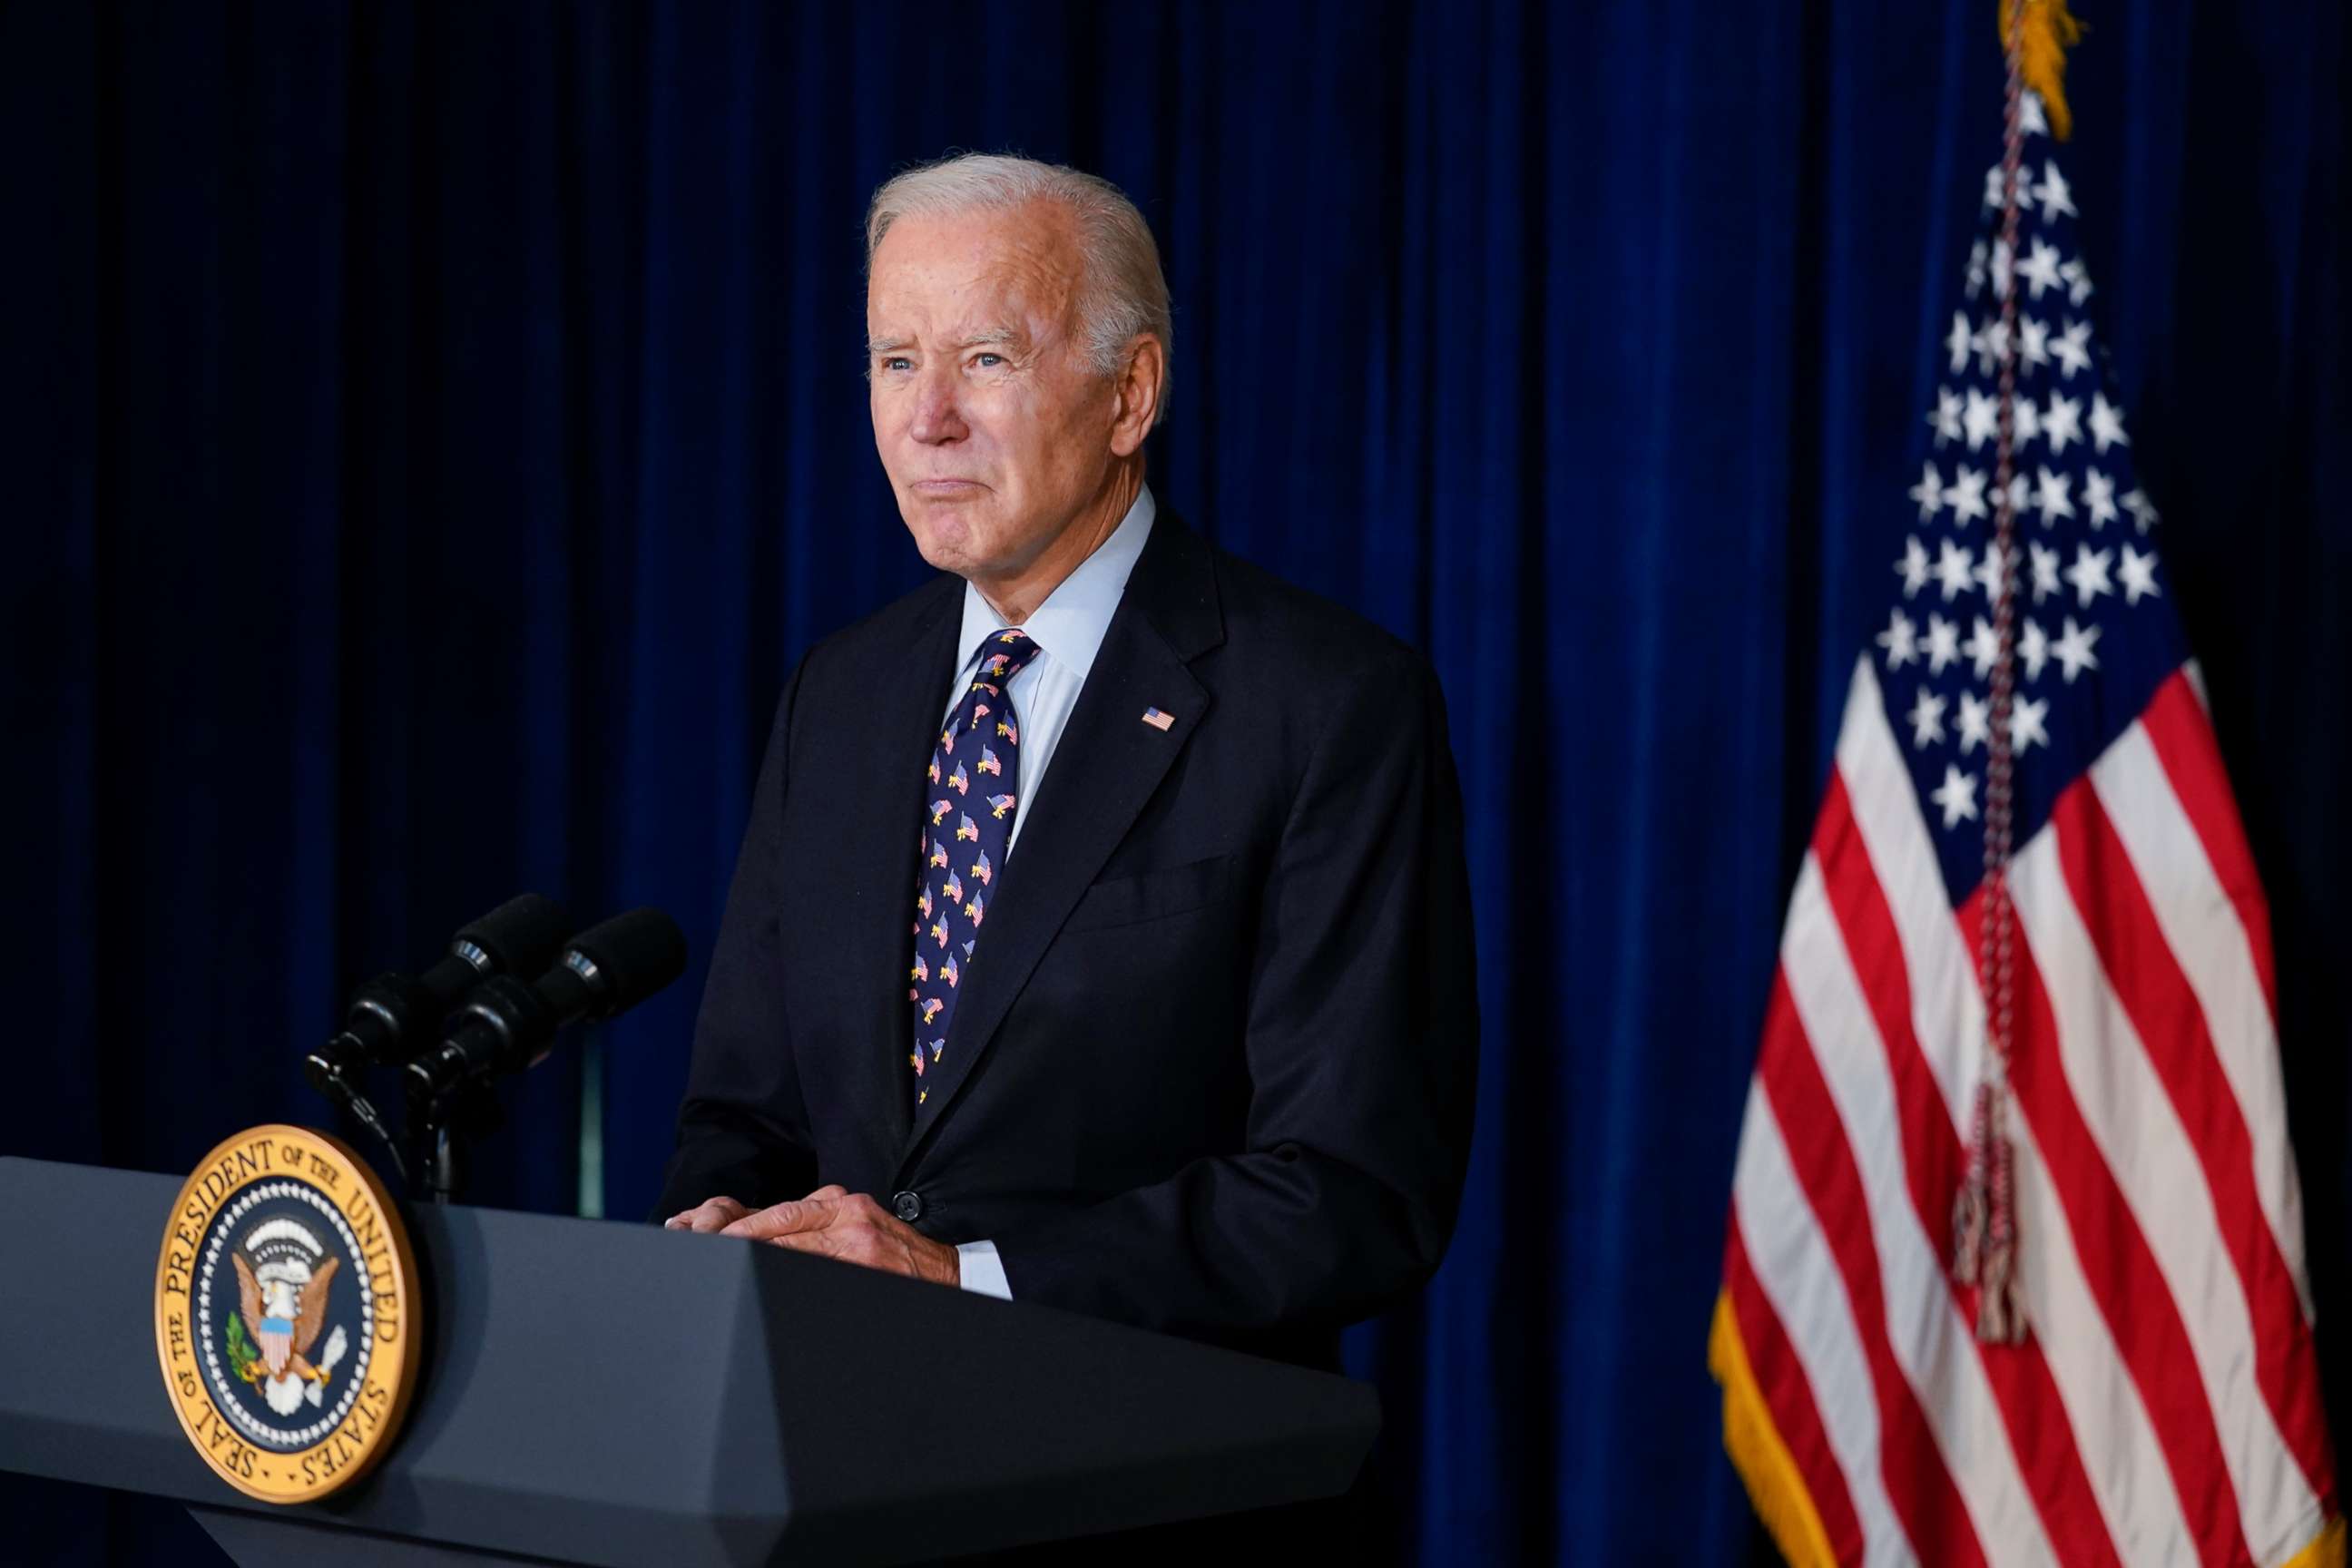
988	361
895	362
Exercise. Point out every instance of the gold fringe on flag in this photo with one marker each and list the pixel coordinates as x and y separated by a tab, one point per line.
2325	1551
1762	1459
2050	30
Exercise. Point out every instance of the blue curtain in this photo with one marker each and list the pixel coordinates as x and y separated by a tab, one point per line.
431	432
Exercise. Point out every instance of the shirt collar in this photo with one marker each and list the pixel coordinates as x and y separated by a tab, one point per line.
1069	626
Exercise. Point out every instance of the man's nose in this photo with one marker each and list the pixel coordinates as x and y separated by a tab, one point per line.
938	417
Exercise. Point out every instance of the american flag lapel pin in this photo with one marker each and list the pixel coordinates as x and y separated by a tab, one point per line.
1157	720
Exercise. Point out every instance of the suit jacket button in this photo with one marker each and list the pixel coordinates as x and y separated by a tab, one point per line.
907	1206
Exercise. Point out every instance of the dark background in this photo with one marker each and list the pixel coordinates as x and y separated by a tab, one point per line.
427	435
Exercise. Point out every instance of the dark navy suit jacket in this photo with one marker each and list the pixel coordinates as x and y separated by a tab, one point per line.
1212	1065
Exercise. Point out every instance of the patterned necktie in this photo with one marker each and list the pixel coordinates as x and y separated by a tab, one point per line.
974	791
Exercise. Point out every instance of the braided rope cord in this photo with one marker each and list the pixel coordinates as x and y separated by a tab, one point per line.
1984	1213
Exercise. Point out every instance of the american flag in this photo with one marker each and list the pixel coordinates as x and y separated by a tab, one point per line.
2164	1404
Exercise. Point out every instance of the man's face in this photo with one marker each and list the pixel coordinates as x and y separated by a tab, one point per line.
994	431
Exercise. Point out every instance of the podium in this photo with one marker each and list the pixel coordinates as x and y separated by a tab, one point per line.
611	1393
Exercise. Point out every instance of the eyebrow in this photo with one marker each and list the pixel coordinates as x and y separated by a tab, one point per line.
986	337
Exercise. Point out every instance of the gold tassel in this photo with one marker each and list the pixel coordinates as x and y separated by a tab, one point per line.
2050	30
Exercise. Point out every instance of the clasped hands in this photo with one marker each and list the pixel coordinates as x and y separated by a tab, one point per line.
832	1222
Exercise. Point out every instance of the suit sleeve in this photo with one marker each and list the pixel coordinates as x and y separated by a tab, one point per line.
742	1131
1362	1044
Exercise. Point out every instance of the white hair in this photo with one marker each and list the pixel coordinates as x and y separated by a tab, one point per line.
1122	294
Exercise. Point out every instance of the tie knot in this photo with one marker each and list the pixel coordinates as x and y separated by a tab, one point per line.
1006	652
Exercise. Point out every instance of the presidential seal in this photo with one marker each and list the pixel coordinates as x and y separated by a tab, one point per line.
286	1316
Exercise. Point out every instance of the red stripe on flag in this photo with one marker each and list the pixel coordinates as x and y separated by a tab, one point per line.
2039	1432
1918	1484
2122	1272
2182	733
1932	1157
2147	981
1788	1395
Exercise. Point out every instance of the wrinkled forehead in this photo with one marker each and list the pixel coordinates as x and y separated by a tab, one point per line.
937	274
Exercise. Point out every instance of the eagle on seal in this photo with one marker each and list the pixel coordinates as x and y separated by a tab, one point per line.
286	1312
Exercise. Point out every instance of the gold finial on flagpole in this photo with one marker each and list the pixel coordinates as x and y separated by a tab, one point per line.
2048	31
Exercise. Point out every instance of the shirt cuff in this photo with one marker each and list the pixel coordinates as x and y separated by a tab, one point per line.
983	1270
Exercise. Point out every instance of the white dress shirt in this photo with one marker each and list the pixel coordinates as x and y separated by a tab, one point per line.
1068	630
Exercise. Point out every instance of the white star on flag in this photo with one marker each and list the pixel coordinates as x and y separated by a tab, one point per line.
2025	730
2106	424
2072	348
1926	720
1943	642
1965	496
1928	492
2089	574
2039	268
1952	570
1976	720
2138	573
2099	498
2072	650
1946	420
2054	194
2032	343
1900	639
1912	567
1992	344
2143	510
1982	420
2063	424
2045	571
1957	796
1987	573
1984	647
2049	496
2033	648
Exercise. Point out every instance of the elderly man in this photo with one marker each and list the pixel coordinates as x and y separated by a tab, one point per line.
1101	936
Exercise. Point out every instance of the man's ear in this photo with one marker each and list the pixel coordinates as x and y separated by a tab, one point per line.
1136	392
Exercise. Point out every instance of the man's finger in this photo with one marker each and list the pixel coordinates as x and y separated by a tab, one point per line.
830	1192
819	1242
784	1218
707	1216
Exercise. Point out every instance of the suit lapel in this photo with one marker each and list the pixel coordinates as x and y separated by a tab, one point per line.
1105	769
876	934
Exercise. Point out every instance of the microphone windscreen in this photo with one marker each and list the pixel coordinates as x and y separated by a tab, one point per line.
521	936
631	957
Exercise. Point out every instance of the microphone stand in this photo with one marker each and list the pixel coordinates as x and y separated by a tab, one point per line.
447	1126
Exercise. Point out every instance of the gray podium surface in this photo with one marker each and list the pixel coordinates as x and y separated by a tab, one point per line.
611	1393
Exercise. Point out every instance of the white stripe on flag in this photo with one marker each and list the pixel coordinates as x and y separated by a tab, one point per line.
1799	1277
2201	925
2132	1120
1947	1013
1932	1341
2118	1442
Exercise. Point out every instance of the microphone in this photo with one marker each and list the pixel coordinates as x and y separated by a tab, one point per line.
392	1017
508	1027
